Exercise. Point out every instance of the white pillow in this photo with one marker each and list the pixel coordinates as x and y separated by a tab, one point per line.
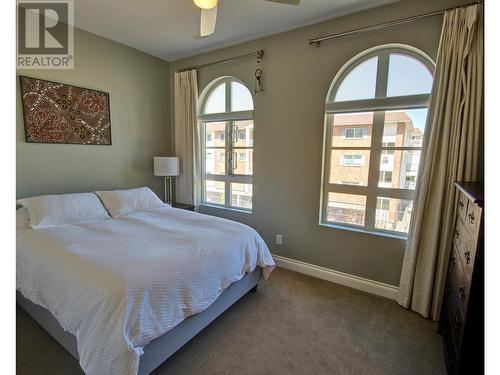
51	210
123	202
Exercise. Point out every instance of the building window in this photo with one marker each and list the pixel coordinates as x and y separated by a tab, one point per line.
225	117
383	204
352	160
385	177
354	133
376	112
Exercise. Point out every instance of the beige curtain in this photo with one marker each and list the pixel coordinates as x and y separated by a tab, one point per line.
187	137
451	153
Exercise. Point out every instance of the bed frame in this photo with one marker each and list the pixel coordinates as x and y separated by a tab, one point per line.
161	348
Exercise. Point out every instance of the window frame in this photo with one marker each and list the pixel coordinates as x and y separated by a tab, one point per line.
229	117
378	105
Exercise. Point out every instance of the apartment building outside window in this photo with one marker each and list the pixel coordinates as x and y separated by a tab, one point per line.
375	118
226	128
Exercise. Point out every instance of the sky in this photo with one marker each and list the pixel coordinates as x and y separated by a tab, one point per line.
241	99
418	117
407	76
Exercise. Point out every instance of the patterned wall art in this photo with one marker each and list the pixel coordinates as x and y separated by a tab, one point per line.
58	113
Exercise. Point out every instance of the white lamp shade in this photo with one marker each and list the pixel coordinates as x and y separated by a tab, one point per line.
166	165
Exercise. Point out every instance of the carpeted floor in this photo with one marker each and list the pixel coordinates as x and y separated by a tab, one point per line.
294	324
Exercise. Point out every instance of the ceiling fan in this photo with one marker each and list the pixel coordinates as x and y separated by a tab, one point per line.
209	14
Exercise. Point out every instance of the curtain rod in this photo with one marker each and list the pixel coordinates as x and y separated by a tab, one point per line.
259	54
317	41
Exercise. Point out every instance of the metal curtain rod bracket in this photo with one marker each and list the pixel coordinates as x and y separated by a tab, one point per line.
317	41
259	54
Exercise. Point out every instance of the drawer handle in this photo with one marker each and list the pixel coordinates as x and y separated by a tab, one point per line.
471	218
467	257
461	204
457	233
461	292
456	323
453	261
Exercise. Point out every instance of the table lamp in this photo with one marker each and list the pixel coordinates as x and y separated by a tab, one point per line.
167	167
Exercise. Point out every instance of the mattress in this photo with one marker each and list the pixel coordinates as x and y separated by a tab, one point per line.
117	284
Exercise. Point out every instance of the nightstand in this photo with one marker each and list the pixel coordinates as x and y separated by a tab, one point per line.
183	206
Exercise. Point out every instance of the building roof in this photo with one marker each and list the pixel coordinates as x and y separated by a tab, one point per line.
367	118
418	132
221	126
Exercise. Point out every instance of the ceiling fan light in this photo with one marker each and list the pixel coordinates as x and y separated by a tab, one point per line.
205	4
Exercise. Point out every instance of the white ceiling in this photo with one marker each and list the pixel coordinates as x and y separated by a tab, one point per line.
165	28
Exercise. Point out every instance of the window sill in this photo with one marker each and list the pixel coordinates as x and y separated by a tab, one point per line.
241	210
397	236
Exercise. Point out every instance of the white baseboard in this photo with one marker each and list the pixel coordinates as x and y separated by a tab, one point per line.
351	281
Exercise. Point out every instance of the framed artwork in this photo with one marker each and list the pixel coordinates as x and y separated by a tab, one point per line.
57	113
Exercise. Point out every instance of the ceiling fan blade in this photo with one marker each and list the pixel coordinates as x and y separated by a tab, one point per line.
290	2
208	20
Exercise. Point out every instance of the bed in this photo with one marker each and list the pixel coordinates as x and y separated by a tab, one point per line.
123	294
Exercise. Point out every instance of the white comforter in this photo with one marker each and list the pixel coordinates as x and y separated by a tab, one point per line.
117	284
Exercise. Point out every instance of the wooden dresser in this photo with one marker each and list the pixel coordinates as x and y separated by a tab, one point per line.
462	314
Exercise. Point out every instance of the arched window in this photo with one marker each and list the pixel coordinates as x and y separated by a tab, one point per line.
376	111
226	120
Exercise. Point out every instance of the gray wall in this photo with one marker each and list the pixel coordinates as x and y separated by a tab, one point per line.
289	129
138	85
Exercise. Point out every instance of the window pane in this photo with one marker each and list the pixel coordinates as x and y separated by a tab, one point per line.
407	76
216	101
349	167
241	195
214	192
346	208
243	161
241	99
404	128
215	161
359	83
393	214
398	169
352	129
215	134
243	133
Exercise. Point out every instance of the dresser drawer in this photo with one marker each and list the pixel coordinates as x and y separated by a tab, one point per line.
467	252
461	284
462	205
466	247
456	322
450	350
458	233
473	219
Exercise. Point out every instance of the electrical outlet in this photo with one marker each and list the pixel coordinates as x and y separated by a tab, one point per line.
279	239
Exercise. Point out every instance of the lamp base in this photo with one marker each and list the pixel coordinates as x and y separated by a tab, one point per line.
169	194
